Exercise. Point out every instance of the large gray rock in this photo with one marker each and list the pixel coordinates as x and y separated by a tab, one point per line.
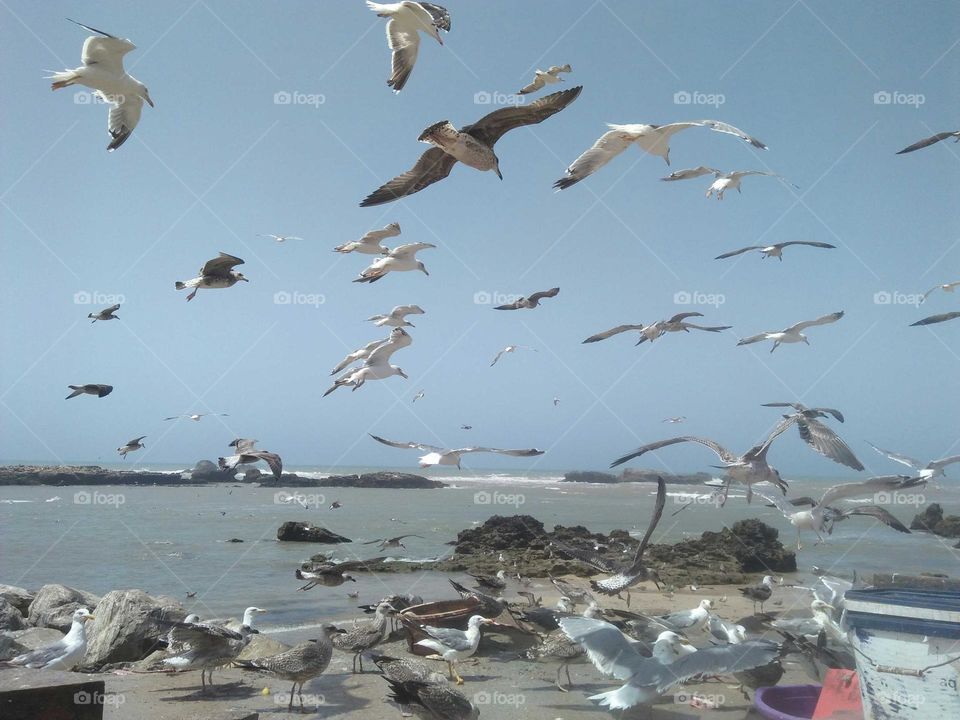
305	532
54	606
19	597
10	617
261	646
125	628
20	641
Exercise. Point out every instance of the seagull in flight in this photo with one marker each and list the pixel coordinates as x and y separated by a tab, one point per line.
247	454
131	446
674	420
396	317
418	396
196	416
932	140
926	471
724	181
510	349
369	244
102	71
401	259
791	334
377	365
934	319
775	250
108	313
94	389
394	542
406	20
652	139
946	287
364	352
528	303
441	456
281	238
651	332
216	273
545	77
818	436
472	145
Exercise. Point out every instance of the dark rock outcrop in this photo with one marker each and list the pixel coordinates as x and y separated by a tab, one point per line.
305	532
933	520
590	476
367	480
644	475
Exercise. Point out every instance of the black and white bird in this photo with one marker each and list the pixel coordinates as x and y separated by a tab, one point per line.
402	258
377	365
395	337
108	313
215	274
759	593
775	250
528	303
792	334
280	238
248	454
131	446
451	644
406	20
677	323
818	436
90	389
205	645
444	456
722	181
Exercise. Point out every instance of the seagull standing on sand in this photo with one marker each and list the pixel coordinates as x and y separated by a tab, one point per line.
131	446
396	317
247	454
760	592
366	636
377	365
64	653
430	701
928	471
932	140
406	20
90	389
300	663
108	313
453	645
820	437
510	349
401	259
472	145
103	72
724	181
369	244
791	334
545	77
653	139
775	250
440	456
528	303
215	274
697	617
934	319
280	239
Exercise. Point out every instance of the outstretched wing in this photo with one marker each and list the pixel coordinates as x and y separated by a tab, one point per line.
220	265
691	173
880	514
433	165
811	243
611	332
826	442
738	252
492	127
531	452
927	142
870	486
933	319
408	445
657	514
605	149
898	457
822	320
537	296
721	452
723	127
608	649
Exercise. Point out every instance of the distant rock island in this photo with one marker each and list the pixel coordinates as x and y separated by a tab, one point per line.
636	475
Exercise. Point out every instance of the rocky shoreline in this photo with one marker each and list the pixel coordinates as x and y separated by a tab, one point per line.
636	475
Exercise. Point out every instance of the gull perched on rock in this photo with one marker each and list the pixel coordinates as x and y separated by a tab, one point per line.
528	303
397	316
932	140
934	319
377	364
103	72
300	663
724	181
775	250
820	437
791	334
472	145
131	446
402	258
430	701
441	456
108	313
653	139
926	471
545	77
510	349
90	389
407	19
215	274
452	645
64	653
247	454
946	287
369	244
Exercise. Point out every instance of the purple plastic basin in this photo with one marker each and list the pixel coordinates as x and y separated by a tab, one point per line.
787	702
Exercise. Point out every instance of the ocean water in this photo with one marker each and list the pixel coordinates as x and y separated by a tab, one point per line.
171	540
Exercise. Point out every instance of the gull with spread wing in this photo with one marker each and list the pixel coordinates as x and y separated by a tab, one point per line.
926	471
131	446
401	259
248	454
775	250
377	364
369	244
820	437
108	313
528	303
407	20
545	77
724	181
442	456
397	316
215	274
792	334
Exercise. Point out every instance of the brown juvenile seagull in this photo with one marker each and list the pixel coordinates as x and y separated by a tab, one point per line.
934	319
108	313
528	303
91	389
247	454
472	145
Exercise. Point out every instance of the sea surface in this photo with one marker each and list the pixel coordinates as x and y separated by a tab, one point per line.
174	540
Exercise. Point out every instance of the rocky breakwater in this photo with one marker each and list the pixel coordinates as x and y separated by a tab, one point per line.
203	472
933	520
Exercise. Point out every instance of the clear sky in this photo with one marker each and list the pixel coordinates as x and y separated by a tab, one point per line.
217	161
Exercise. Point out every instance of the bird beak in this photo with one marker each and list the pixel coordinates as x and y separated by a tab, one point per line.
424	271
89	617
499	174
146	96
402	374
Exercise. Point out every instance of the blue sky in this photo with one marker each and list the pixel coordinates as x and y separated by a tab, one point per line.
217	161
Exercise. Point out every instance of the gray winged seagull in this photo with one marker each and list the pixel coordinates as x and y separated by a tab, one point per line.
451	644
402	258
651	332
723	181
196	417
369	244
108	313
62	654
820	437
364	352
934	319
248	454
215	274
775	250
759	593
926	471
90	389
529	303
946	287
280	238
131	446
102	71
397	316
472	145
394	542
550	76
932	140
430	701
443	456
406	20
377	365
511	349
653	139
792	334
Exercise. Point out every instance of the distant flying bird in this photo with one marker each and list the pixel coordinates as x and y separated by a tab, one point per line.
131	446
108	313
441	456
472	145
281	238
510	349
369	244
946	287
651	332
377	365
775	250
103	72
556	401
247	454
406	19
674	420
418	396
528	303
820	437
196	416
336	505
394	542
216	273
401	259
793	333
90	389
934	319
653	139
932	140
397	316
466	427
545	77
926	471
724	181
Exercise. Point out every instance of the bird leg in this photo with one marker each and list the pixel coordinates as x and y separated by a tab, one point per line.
190	296
628	598
290	704
799	546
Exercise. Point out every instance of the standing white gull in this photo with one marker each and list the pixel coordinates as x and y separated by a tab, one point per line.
281	238
442	456
724	181
472	145
775	250
453	645
510	349
820	437
377	365
401	259
131	446
64	653
545	77
653	139
927	471
932	140
215	274
697	617
791	334
397	316
407	19
946	287
369	244
103	72
108	313
528	303
934	319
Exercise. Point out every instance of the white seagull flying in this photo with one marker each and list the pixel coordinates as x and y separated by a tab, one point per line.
724	181
791	334
443	456
407	19
369	244
775	250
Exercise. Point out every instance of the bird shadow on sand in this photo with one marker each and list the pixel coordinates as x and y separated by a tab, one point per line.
225	691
